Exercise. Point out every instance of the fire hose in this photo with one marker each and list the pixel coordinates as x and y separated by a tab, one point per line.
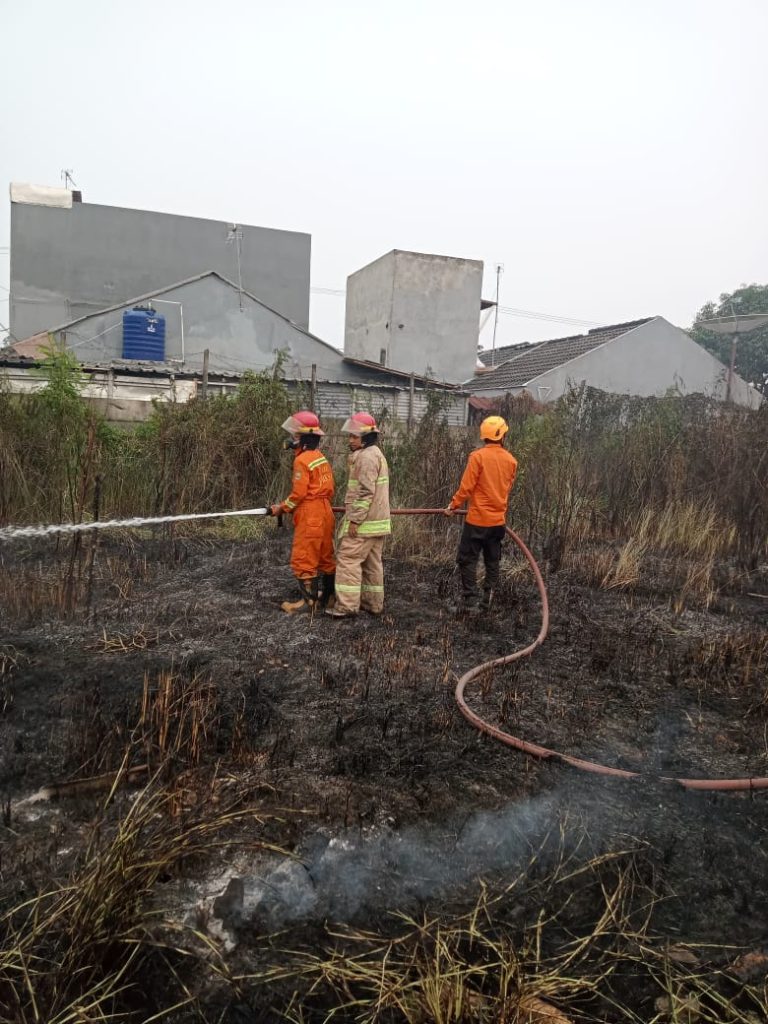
535	749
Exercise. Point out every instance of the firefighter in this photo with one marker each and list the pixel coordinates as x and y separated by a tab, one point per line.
359	567
312	489
488	478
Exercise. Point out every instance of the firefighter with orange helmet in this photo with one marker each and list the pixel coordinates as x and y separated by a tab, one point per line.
488	478
366	522
312	489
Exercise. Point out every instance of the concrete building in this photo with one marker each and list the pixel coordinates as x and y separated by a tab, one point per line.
70	259
643	357
416	313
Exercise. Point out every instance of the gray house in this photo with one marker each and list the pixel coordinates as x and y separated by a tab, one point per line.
206	311
240	333
643	357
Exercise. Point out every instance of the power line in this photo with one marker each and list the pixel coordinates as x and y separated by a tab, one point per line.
551	317
505	310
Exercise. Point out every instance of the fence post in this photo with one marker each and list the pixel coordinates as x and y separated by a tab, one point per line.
204	385
411	401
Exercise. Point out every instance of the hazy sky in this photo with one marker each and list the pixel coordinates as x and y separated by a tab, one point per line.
611	154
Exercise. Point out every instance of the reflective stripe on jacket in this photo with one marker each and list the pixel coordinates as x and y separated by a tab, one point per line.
312	479
486	483
367	499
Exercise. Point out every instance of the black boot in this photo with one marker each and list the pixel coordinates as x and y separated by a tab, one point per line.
308	599
327	590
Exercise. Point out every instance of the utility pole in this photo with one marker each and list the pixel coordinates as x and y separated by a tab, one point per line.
204	384
499	272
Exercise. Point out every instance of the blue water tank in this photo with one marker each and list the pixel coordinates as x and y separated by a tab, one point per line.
143	334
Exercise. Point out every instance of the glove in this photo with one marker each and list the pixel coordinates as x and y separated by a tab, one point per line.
448	511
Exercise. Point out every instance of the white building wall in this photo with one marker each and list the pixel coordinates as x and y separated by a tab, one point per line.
646	361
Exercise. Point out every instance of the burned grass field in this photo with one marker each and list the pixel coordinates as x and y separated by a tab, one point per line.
213	811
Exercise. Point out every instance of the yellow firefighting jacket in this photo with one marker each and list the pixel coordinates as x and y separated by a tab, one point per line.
367	499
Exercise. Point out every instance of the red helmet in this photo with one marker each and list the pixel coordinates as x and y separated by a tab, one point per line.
360	423
304	422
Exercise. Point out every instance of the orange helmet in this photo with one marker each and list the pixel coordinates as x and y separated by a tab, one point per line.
360	423
493	428
304	422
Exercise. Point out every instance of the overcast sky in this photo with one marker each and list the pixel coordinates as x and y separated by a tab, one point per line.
612	155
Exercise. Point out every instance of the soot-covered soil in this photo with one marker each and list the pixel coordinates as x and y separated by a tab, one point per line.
392	800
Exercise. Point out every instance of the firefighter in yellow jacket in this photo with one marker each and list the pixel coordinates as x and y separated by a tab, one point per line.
359	566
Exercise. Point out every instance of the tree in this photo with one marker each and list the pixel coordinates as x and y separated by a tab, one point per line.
752	348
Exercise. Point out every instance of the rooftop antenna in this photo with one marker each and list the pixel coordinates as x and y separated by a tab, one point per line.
66	177
499	272
235	235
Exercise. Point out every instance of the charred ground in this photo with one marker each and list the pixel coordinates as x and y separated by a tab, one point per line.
347	732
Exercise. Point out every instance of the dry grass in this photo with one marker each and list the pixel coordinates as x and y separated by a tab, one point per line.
477	967
88	950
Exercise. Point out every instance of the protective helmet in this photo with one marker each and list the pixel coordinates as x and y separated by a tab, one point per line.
304	422
360	423
493	428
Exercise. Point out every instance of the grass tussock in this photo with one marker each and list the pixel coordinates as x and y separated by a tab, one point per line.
504	960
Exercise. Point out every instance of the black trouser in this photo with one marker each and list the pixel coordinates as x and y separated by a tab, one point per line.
475	539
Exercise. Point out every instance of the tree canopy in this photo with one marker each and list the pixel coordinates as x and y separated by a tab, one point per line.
752	348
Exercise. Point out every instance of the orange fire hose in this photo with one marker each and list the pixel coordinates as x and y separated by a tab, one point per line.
534	749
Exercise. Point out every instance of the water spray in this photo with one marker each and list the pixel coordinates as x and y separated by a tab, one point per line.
8	533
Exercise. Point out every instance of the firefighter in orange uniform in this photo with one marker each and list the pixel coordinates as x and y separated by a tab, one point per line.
312	559
488	478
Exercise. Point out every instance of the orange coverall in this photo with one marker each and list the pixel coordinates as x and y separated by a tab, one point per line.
313	521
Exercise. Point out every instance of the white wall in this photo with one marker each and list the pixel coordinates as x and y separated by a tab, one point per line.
648	360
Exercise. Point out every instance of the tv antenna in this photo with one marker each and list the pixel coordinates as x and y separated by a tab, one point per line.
66	177
235	236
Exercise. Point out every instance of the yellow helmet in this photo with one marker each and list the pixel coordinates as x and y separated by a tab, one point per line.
493	428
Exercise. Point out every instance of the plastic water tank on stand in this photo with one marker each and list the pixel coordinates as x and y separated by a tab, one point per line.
143	334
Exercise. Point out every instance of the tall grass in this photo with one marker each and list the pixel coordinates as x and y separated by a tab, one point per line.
681	475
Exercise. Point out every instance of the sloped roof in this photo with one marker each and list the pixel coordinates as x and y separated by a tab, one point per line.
179	284
387	371
490	358
546	356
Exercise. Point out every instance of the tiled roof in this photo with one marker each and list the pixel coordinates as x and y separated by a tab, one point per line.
532	362
490	358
